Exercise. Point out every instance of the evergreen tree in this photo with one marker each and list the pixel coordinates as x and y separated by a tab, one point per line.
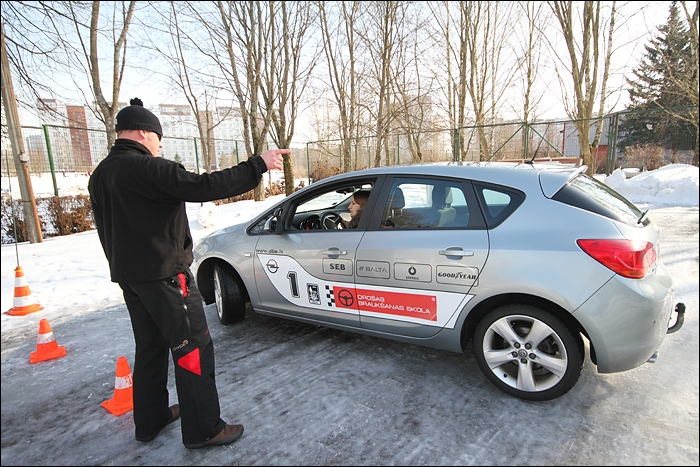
653	90
177	158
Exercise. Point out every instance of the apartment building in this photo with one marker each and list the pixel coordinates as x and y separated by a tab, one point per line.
78	139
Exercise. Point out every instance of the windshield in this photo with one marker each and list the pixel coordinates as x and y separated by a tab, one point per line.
323	202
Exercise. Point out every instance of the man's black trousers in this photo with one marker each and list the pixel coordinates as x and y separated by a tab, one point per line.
168	316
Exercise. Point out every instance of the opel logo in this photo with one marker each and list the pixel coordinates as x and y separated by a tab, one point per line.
272	266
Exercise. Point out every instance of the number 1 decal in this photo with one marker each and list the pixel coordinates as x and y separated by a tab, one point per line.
292	276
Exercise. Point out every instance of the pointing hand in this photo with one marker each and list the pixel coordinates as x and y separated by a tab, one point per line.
273	158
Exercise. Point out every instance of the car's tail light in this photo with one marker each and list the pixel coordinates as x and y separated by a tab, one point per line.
628	258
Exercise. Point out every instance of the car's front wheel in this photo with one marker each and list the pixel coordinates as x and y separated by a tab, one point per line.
527	352
229	294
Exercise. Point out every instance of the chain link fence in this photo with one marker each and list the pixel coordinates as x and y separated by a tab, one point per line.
65	157
648	138
66	151
645	138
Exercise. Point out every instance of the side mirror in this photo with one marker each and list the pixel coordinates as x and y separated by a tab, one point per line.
273	223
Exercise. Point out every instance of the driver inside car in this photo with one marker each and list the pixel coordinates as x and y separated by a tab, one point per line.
356	206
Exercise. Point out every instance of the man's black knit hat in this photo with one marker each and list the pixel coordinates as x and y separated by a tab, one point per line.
136	117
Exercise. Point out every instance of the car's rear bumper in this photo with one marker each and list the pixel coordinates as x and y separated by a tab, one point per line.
627	319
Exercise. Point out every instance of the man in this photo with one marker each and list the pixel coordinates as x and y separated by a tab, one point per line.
138	200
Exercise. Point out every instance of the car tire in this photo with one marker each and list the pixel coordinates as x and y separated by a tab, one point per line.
535	366
229	295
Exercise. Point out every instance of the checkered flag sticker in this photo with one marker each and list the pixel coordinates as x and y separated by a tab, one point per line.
330	297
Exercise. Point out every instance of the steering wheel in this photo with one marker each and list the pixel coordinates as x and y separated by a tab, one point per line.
332	220
310	223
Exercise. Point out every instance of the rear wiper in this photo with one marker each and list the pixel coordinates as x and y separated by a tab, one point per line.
645	214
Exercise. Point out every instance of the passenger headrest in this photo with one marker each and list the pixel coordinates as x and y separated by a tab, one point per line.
397	199
442	195
448	197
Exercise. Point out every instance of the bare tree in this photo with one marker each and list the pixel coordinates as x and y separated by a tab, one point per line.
189	76
530	47
412	85
240	32
109	108
13	131
293	71
486	35
69	35
455	68
343	76
587	54
475	35
383	32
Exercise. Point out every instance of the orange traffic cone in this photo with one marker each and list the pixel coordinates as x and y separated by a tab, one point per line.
23	303
123	399
46	347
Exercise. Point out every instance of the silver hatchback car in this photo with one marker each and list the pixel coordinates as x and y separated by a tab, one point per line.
522	262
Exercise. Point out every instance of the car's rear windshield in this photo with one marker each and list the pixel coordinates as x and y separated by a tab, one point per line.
587	193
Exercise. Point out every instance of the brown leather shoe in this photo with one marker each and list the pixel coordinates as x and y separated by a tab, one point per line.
174	415
228	435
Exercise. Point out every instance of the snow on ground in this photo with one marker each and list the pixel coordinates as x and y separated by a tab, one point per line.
672	185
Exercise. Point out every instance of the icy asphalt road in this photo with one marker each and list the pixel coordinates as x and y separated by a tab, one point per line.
314	396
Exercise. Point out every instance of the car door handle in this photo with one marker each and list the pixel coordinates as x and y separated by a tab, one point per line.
456	252
335	252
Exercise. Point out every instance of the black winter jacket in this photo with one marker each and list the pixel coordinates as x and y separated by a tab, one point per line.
139	205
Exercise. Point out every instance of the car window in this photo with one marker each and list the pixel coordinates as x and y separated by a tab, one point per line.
495	201
457	195
587	193
498	202
327	209
259	226
309	211
415	203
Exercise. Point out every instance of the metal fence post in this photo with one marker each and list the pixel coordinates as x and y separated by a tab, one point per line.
352	164
50	153
612	144
308	164
526	146
196	155
398	150
608	151
455	145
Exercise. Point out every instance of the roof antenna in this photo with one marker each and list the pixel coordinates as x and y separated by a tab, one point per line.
531	161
